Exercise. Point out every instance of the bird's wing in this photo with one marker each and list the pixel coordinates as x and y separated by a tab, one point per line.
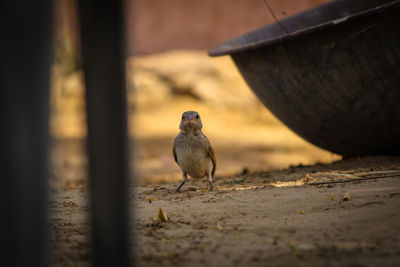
174	153
176	141
211	154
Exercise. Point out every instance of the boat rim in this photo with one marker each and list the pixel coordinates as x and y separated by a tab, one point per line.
235	45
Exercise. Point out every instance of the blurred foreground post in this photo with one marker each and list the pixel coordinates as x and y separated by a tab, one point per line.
103	47
25	49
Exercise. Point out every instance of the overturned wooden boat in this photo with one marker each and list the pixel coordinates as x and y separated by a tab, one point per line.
331	74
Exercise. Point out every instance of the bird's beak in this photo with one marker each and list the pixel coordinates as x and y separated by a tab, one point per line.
191	120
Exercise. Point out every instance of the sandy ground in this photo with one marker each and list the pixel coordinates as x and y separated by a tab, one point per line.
266	218
264	212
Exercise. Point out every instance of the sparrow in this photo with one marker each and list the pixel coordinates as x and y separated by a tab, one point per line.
192	151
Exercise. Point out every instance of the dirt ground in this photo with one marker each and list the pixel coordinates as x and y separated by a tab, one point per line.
271	218
267	209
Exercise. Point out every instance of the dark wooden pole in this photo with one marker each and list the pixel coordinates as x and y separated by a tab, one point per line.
25	57
103	50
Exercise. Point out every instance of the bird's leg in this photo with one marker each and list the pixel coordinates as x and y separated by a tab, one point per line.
184	179
210	182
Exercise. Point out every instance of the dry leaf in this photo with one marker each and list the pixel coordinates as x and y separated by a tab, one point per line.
346	196
219	227
148	199
331	197
307	178
301	212
162	216
70	204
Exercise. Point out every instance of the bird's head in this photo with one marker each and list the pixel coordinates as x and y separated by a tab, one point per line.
190	122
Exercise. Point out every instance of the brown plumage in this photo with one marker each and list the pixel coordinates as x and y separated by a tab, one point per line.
192	150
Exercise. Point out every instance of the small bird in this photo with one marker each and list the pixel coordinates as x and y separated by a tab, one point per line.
192	150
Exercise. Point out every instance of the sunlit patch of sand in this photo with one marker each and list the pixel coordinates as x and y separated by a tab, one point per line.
240	188
288	184
299	182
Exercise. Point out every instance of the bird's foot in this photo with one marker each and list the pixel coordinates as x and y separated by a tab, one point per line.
211	185
179	187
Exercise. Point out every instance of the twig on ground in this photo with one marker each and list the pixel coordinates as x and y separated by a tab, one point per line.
355	179
238	199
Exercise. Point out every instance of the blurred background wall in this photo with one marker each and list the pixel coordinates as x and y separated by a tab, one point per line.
161	25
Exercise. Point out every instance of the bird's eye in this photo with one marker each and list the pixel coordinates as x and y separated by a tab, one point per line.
197	116
183	117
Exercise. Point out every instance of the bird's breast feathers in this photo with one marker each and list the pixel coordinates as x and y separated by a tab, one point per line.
192	155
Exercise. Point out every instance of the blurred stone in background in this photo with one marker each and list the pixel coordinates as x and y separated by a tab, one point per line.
243	132
163	85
